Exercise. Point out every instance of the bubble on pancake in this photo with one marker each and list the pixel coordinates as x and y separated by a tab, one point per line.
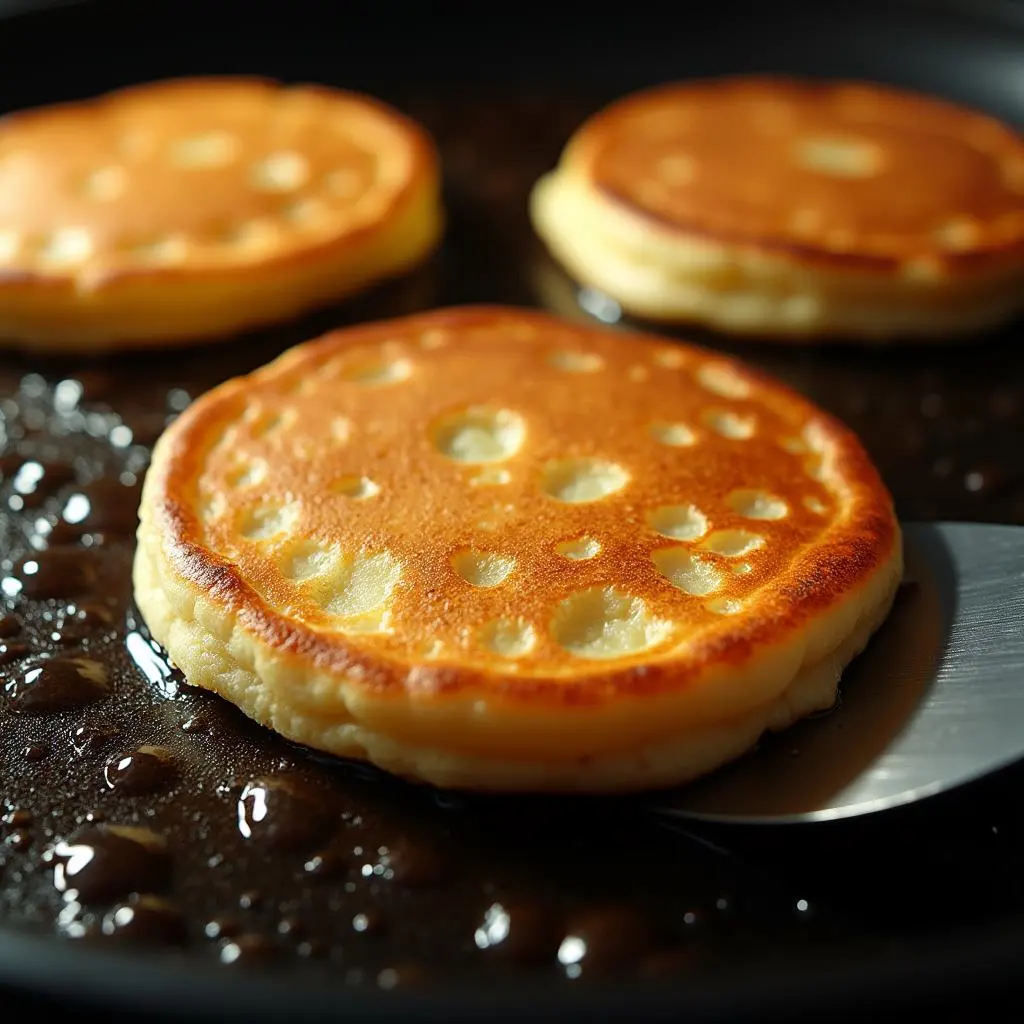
669	358
575	362
676	435
356	487
742	568
604	622
730	424
575	481
431	649
733	543
359	588
815	505
262	522
491	476
66	247
483	568
754	504
247	473
209	149
104	184
839	157
686	571
579	549
723	380
508	638
340	429
479	434
265	422
307	559
377	370
212	507
433	339
280	172
679	522
676	169
724	606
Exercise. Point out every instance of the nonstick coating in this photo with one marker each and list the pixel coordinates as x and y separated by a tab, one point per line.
971	51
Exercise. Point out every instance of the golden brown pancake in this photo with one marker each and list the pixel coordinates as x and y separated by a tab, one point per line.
486	548
793	209
196	208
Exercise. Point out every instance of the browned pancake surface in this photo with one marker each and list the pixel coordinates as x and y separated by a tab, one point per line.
846	171
723	511
196	175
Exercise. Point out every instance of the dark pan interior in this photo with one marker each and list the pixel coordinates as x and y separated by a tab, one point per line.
935	890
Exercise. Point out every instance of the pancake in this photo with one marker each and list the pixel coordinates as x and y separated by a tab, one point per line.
488	549
793	210
197	208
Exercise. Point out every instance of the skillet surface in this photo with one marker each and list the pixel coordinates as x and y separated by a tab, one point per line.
920	905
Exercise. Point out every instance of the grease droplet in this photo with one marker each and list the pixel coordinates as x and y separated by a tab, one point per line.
369	923
146	770
221	928
146	919
59	684
254	949
281	812
327	864
106	862
93	736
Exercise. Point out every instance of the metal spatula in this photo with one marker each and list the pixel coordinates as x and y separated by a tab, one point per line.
937	699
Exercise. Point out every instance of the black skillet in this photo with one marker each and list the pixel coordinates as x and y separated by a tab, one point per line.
919	909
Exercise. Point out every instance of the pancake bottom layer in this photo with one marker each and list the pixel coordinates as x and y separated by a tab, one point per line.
225	660
666	276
